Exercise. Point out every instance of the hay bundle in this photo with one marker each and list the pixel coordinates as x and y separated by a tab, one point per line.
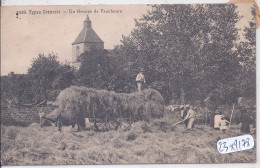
76	103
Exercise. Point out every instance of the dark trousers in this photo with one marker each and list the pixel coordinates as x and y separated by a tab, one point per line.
186	123
245	125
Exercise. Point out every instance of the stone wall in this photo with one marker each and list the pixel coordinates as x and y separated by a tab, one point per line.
22	116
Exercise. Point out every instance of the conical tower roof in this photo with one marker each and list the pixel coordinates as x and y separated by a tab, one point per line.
87	34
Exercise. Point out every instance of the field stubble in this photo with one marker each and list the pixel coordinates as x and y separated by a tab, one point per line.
152	142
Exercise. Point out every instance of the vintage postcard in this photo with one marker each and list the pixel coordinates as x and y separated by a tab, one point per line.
128	84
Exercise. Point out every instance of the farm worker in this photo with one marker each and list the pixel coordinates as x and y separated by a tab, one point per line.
211	113
190	117
140	80
182	111
217	119
244	120
42	116
223	123
212	102
185	111
59	122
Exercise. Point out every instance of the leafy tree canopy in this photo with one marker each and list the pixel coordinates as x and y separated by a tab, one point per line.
186	50
47	73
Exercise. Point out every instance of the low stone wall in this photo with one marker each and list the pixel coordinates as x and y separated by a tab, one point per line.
22	116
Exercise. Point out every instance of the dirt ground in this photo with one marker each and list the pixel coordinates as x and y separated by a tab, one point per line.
151	142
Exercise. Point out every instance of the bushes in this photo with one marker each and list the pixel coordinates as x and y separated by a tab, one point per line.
79	102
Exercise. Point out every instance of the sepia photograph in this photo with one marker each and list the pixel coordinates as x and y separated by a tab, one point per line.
128	84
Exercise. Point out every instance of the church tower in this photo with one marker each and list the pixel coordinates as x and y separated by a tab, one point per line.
86	40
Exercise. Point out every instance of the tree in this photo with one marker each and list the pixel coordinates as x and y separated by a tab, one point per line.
16	88
247	58
46	74
93	71
185	48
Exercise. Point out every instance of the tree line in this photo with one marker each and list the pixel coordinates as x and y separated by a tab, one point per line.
189	52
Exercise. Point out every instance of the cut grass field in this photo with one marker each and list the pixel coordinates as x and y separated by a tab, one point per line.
145	142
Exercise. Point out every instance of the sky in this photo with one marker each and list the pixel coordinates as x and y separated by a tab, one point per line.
23	38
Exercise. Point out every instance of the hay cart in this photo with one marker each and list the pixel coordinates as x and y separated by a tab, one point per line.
108	119
106	124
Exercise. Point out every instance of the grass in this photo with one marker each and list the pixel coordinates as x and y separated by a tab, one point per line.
143	143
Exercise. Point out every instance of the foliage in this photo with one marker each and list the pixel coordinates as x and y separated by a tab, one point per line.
189	53
16	88
247	55
45	77
93	69
101	69
186	48
47	73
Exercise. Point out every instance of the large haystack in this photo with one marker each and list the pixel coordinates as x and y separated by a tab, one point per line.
77	103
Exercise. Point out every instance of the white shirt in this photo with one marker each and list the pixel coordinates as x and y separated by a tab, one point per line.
217	121
140	77
190	114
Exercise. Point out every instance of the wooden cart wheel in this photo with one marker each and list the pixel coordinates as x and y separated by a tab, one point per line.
106	125
125	124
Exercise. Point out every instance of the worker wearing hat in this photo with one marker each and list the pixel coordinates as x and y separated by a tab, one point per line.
140	80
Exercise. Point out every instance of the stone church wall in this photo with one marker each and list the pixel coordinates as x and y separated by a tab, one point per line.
76	52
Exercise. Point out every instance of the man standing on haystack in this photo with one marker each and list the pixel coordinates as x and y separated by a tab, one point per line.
140	80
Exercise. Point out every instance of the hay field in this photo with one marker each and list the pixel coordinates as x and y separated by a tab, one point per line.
152	142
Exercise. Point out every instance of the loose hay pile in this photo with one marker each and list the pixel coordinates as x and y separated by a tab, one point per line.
77	103
34	145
